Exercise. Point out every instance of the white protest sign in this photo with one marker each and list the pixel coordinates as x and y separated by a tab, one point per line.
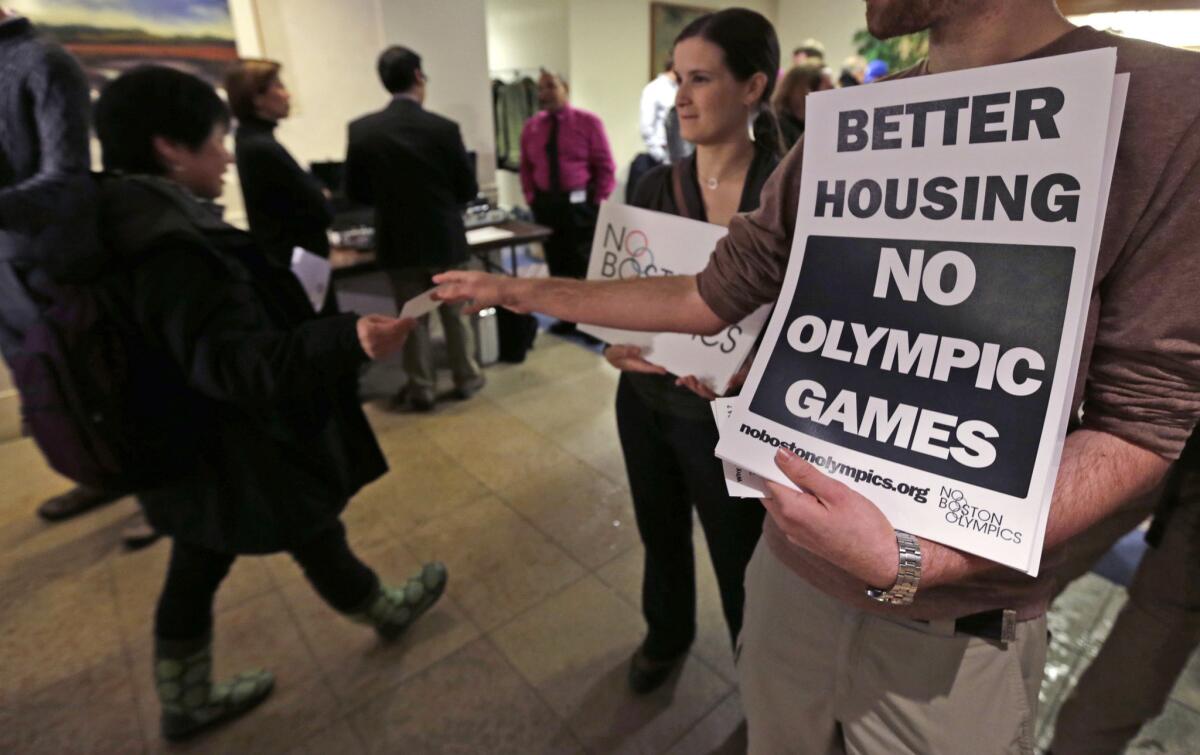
926	341
314	273
634	243
739	483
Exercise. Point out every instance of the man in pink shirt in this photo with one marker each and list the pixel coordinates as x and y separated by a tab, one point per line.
567	170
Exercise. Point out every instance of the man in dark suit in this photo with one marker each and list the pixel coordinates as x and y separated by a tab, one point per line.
412	166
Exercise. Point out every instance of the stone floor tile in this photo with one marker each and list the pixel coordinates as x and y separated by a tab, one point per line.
356	663
580	509
338	739
575	648
139	577
470	702
1187	689
419	489
721	732
259	633
499	563
92	711
55	627
1175	732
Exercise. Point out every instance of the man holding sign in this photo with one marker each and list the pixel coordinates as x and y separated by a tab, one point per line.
951	660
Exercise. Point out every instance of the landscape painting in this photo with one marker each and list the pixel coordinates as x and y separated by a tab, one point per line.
112	36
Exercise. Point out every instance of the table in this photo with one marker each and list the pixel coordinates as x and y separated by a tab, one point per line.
348	262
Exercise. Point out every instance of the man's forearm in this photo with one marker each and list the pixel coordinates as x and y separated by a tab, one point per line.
659	304
1099	474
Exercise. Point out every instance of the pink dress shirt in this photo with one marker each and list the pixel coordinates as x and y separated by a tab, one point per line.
584	158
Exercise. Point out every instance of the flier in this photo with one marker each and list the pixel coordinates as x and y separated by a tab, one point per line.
634	243
925	344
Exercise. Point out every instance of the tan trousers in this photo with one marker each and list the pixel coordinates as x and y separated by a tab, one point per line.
418	349
1156	632
818	676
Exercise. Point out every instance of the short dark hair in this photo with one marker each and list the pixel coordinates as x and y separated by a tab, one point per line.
150	101
247	79
398	68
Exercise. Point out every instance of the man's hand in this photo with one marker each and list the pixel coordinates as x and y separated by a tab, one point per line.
382	336
834	522
478	290
629	359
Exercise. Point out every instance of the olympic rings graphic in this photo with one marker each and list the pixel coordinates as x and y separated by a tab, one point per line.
637	248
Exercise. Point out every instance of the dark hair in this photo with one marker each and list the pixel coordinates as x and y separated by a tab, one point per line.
151	101
806	76
398	68
247	79
749	44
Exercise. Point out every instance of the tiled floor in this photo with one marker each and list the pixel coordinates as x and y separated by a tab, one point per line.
521	491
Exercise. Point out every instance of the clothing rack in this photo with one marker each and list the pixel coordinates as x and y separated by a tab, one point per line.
515	73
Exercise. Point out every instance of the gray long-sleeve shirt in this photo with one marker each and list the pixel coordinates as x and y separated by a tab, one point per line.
44	110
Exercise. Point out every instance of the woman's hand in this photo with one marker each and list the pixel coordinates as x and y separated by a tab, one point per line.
382	336
693	384
478	290
629	359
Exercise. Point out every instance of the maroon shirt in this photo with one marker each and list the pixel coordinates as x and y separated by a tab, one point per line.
584	158
1139	375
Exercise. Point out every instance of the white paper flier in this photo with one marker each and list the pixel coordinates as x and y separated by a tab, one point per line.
740	483
926	341
314	273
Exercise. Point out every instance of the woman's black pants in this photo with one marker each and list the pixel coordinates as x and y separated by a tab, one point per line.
194	574
671	468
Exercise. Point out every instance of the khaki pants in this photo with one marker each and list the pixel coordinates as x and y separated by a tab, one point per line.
818	676
1154	635
418	349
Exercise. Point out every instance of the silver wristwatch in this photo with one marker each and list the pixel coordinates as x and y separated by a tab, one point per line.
909	576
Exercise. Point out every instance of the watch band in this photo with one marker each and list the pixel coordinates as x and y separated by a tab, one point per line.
908	577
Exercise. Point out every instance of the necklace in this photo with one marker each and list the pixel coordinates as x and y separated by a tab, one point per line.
711	183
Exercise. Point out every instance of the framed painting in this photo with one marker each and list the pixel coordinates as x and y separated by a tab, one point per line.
666	21
111	36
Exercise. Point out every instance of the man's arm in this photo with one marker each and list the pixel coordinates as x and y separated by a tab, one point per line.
660	304
355	180
601	167
525	167
1099	474
60	100
461	172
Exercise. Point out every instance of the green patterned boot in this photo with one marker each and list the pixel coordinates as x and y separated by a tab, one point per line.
391	610
190	701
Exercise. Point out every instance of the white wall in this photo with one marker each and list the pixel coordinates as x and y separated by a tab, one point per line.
525	34
451	38
610	63
833	22
329	49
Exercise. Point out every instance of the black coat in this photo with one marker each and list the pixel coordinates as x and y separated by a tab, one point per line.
411	165
270	428
284	204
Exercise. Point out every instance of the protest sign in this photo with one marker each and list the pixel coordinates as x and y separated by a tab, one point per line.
739	483
926	341
634	243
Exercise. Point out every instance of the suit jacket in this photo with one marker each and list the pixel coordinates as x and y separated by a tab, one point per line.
412	166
